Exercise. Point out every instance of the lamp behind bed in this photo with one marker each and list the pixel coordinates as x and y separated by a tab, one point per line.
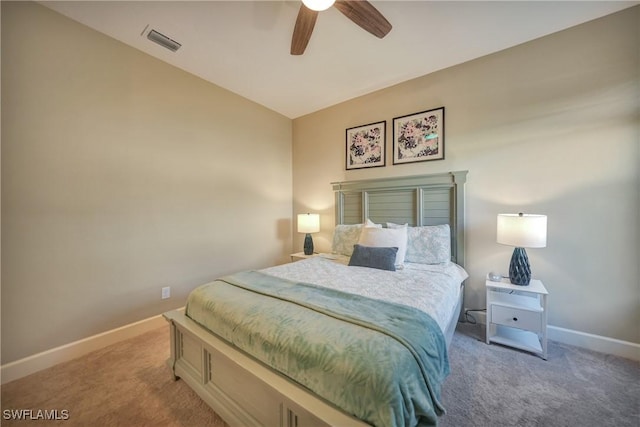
308	223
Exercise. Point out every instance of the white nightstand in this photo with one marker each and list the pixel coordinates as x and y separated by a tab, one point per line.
517	315
300	255
341	259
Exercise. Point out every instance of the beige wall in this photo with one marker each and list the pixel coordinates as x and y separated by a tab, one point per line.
548	127
120	175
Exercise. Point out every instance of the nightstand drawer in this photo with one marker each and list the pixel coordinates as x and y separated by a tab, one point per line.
516	318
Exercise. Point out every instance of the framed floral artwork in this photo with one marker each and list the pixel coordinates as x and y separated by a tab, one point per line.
366	146
419	137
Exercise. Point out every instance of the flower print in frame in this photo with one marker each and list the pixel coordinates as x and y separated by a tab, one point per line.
419	137
366	146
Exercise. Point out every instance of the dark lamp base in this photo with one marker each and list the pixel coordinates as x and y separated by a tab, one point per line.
519	269
308	245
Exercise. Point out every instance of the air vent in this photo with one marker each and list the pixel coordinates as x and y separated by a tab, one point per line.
163	40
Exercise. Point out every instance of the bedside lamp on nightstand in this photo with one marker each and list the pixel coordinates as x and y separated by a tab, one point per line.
522	231
308	223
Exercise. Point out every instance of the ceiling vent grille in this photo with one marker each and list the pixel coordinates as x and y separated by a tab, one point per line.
163	40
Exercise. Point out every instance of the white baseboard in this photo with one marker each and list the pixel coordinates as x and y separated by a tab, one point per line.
478	316
626	349
37	362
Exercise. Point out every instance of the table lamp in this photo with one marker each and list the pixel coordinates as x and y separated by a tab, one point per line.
522	231
308	223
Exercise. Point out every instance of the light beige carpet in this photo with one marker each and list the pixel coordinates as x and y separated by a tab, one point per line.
109	387
489	385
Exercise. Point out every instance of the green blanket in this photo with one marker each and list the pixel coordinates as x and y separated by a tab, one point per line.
383	363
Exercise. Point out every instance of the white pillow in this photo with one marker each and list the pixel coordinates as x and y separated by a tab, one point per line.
370	223
386	238
429	244
392	225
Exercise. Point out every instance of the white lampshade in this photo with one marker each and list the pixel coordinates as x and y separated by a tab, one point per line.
522	230
308	223
318	5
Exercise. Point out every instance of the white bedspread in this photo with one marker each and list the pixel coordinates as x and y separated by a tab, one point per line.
433	289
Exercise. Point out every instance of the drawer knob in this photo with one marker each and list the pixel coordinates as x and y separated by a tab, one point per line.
515	319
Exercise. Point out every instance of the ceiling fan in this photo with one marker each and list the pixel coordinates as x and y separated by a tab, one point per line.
360	12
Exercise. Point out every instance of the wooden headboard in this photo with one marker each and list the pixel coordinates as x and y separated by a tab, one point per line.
417	200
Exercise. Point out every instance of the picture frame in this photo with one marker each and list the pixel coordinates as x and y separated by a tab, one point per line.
366	146
419	137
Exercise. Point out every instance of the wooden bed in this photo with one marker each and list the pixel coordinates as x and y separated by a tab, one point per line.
242	390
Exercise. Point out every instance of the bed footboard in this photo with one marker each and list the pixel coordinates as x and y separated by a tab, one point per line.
238	388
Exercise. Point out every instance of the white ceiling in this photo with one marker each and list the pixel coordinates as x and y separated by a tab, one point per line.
243	46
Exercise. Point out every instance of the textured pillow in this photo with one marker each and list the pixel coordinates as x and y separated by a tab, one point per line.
386	238
344	237
380	258
430	244
347	235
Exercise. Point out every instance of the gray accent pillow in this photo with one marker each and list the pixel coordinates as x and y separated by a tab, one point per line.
374	257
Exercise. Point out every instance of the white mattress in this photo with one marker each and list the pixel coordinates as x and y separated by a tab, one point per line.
434	289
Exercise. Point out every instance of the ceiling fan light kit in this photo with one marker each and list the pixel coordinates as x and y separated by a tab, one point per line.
361	12
318	5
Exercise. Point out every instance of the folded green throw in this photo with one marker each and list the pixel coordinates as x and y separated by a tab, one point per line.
384	363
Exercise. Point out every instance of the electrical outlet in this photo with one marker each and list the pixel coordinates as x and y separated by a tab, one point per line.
166	292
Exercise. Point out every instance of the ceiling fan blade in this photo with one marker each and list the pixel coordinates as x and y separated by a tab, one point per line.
365	15
302	31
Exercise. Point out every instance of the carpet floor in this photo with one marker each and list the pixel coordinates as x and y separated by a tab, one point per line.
489	385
